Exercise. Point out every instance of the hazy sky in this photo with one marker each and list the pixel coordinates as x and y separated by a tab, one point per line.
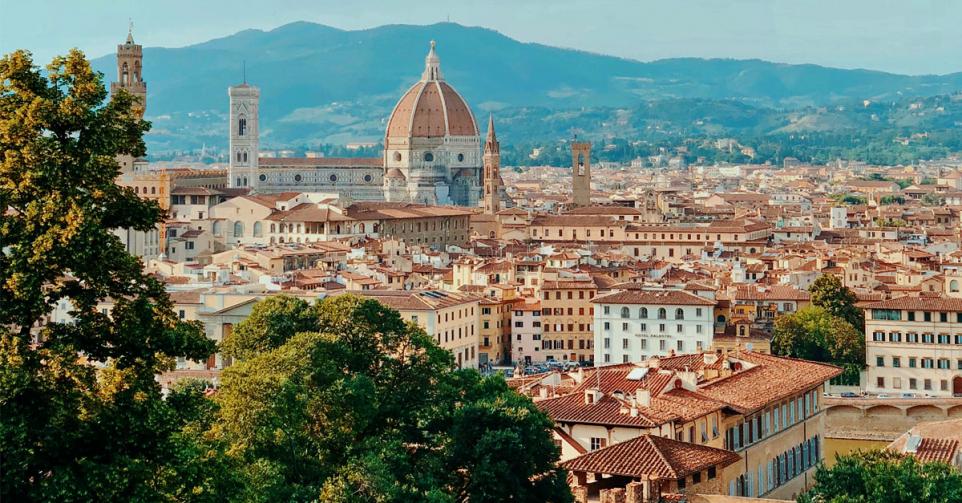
903	36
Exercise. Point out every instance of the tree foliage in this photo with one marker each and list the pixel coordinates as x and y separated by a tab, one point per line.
272	322
872	476
369	408
829	293
72	431
813	333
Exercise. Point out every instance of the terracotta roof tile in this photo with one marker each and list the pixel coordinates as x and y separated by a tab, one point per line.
650	455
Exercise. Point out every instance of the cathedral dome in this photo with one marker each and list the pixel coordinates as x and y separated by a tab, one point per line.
431	108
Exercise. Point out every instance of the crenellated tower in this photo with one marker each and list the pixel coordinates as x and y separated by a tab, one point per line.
581	173
130	59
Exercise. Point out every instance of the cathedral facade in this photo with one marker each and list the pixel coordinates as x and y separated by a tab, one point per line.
432	151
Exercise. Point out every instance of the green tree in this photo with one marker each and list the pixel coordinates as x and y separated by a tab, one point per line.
932	200
813	333
884	476
369	408
828	292
69	430
272	322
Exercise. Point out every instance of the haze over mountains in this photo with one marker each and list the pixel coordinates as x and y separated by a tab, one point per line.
322	84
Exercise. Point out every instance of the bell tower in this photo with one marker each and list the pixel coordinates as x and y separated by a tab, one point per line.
492	171
130	58
244	131
581	173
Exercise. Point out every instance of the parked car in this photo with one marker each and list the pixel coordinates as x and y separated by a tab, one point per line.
908	395
883	396
849	394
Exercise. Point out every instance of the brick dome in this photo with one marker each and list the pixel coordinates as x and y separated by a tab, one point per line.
431	108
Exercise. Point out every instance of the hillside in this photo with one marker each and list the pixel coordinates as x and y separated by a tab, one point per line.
322	84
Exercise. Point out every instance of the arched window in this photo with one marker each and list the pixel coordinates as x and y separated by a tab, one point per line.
217	227
360	228
258	230
679	314
241	126
124	75
624	312
245	156
238	229
273	228
662	313
643	313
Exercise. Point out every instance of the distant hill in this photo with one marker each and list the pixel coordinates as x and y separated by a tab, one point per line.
322	84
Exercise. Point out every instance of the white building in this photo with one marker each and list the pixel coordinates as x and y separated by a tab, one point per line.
526	333
633	325
914	345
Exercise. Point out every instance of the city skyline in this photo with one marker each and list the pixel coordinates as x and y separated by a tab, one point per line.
886	36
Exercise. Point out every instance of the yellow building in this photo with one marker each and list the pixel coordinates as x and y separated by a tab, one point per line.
765	410
567	315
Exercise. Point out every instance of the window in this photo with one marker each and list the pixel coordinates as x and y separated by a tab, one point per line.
928	338
895	337
238	229
679	314
643	313
913	383
878	336
889	315
624	312
879	361
662	314
625	343
698	312
428	156
681	346
597	443
607	310
896	361
911	315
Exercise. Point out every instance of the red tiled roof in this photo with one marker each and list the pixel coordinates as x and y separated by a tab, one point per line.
658	297
771	379
650	455
918	304
937	449
321	162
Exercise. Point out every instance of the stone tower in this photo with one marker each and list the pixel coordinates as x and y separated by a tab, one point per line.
581	173
244	142
130	58
492	171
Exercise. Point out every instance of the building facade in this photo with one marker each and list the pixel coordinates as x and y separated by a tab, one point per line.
567	315
633	325
914	345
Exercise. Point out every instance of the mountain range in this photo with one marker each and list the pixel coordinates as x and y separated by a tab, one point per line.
326	85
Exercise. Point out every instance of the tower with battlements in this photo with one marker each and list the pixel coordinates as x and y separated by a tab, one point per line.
581	173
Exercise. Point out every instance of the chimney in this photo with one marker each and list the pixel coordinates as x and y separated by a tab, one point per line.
710	358
543	391
642	397
654	362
